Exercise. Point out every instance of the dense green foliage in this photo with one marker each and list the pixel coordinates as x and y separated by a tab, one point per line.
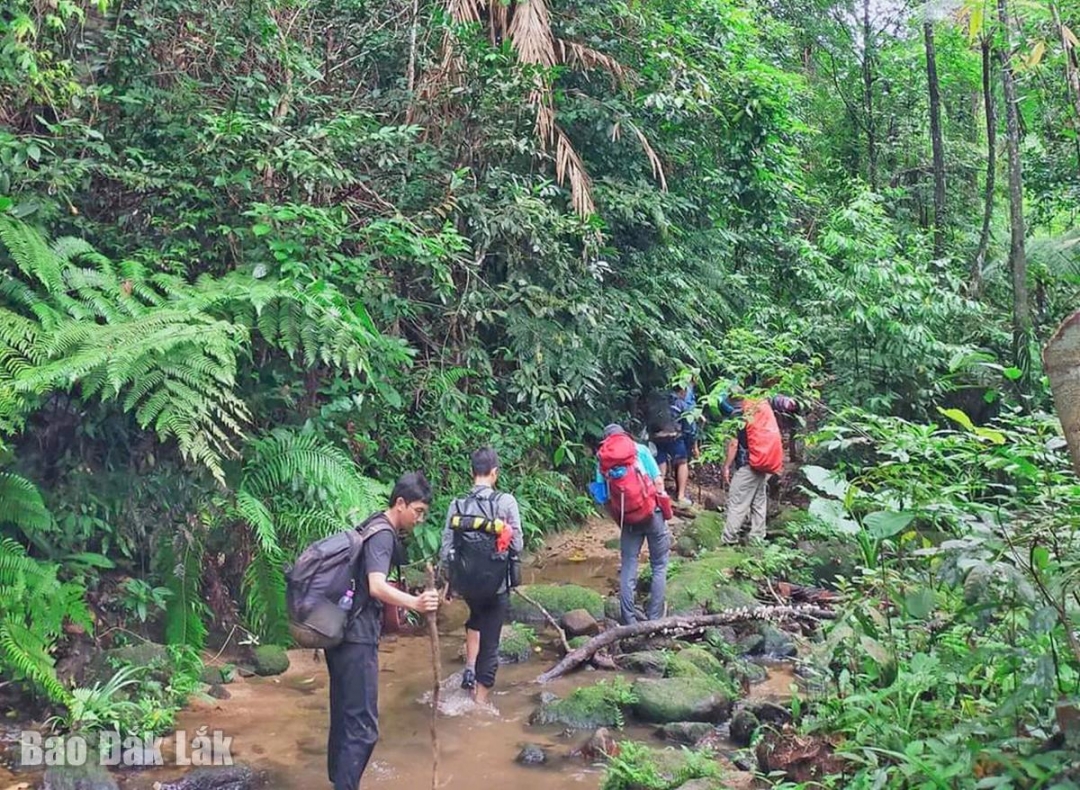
300	248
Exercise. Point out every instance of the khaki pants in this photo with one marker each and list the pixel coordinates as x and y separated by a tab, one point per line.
746	497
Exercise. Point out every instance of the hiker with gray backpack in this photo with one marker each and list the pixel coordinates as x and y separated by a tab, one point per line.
481	543
335	592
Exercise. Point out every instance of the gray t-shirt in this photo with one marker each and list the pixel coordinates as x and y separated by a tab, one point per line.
376	557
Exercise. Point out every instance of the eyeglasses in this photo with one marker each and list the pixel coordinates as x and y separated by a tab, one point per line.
420	511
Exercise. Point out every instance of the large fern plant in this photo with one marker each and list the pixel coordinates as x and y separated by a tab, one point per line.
163	348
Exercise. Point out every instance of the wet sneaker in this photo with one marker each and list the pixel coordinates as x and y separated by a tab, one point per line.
468	679
685	504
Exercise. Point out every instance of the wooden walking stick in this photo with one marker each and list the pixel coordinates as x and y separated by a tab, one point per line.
433	632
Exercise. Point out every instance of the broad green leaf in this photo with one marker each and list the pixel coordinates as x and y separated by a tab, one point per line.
920	603
260	229
1036	55
832	512
884	524
1013	373
1040	556
958	416
997	437
826	481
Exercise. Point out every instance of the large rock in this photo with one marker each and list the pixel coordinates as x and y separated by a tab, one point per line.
87	777
698	662
652	663
743	726
558	599
270	660
704	585
151	657
531	754
516	643
668	700
777	644
578	622
589	707
225	777
686	733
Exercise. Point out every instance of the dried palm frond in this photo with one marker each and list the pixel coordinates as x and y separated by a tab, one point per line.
463	11
530	33
569	167
574	54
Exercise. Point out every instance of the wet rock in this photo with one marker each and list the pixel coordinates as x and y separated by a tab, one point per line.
686	733
612	608
681	699
750	644
225	777
218	691
149	656
588	707
744	760
747	673
776	643
770	713
213	675
515	643
743	726
87	777
531	754
270	660
548	697
699	662
601	744
558	599
702	784
652	663
245	670
579	622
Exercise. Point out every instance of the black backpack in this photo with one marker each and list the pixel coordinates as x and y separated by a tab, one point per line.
319	578
477	570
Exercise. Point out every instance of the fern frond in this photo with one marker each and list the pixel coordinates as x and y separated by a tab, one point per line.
22	506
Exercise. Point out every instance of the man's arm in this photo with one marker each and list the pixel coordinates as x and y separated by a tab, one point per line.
378	554
649	467
513	518
732	449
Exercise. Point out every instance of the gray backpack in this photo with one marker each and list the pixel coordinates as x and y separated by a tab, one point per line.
319	578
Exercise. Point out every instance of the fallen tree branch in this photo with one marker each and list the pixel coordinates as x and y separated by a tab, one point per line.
547	616
679	625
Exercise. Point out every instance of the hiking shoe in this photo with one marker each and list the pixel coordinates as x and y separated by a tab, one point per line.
468	679
685	504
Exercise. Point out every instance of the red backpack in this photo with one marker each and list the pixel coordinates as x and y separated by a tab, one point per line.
631	494
763	438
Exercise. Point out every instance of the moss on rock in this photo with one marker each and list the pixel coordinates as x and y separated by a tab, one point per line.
704	584
599	705
667	700
516	643
706	530
270	660
558	599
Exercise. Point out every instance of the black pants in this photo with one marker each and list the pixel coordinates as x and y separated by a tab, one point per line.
354	712
487	616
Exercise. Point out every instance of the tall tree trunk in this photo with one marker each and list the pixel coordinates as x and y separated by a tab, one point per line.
936	140
1061	360
868	96
1017	255
991	170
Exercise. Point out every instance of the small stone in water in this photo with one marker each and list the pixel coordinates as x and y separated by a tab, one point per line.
531	754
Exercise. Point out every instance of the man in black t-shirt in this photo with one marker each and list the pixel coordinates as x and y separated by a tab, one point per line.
354	664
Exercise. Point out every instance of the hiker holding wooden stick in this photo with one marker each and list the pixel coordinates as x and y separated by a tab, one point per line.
480	546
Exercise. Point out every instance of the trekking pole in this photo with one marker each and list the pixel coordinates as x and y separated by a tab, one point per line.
433	632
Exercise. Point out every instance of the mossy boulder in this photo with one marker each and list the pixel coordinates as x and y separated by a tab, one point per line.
589	707
665	769
706	530
704	585
558	599
666	700
148	656
687	733
516	643
743	671
743	726
216	675
693	662
776	643
652	663
270	660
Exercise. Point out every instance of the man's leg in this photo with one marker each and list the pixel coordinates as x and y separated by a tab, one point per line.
759	507
354	681
492	616
659	550
630	546
472	647
739	499
682	478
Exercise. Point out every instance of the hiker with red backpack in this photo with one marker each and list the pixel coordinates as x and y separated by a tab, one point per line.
753	456
629	483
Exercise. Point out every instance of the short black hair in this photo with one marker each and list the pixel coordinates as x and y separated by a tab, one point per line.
484	461
412	487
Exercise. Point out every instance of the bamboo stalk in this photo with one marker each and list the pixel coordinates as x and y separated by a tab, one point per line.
433	632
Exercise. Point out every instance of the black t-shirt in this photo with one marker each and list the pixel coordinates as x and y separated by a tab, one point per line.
376	557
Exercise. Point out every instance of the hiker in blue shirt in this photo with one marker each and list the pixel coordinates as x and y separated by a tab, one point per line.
676	442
